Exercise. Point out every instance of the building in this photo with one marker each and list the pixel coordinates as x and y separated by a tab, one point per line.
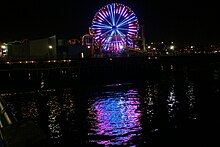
43	48
17	50
57	47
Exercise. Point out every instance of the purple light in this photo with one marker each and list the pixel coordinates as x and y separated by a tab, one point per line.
115	115
116	25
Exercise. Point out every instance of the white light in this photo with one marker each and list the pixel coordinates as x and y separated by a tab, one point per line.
172	47
148	46
88	46
121	46
50	46
3	46
82	55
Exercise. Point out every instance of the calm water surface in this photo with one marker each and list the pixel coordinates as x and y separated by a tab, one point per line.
175	108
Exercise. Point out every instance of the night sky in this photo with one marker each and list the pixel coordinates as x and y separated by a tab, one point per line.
181	21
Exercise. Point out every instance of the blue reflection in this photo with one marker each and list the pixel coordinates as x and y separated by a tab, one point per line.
116	116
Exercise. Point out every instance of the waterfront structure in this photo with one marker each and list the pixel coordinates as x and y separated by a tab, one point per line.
52	47
43	47
18	50
114	33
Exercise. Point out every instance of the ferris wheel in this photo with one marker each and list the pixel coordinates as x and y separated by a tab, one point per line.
114	27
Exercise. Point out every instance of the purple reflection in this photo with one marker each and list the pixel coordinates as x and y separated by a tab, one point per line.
115	115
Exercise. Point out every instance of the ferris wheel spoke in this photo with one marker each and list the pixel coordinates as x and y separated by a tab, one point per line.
126	20
120	14
103	17
124	29
129	42
101	26
104	34
111	15
122	35
110	37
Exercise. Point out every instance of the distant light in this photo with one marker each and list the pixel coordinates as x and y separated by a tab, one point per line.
148	46
3	46
172	47
82	55
171	66
50	46
88	46
4	51
191	46
121	46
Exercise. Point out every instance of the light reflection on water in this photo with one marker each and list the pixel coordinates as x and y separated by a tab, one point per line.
115	115
29	109
61	110
118	114
190	93
172	102
55	111
149	100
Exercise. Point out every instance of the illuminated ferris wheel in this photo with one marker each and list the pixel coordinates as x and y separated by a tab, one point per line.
114	27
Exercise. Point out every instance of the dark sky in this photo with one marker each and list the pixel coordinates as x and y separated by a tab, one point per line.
181	21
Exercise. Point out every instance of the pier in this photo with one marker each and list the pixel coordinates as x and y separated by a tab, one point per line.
50	72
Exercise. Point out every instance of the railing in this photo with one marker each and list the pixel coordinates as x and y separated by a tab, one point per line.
6	118
11	128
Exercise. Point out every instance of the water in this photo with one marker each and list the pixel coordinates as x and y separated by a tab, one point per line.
177	107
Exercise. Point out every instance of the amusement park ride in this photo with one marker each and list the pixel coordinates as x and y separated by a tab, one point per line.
115	29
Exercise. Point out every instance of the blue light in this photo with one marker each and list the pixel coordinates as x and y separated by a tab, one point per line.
113	26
